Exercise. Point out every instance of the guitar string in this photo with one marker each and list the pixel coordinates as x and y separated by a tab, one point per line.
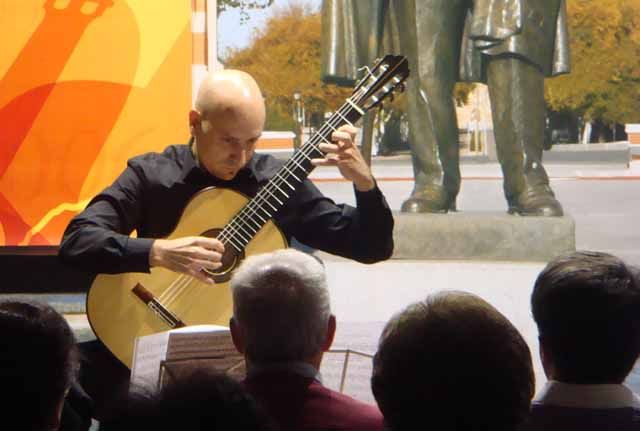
174	291
169	294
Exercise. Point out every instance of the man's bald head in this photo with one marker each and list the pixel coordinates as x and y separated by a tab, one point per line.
230	92
227	121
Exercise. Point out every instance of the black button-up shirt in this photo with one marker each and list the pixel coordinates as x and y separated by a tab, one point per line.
151	193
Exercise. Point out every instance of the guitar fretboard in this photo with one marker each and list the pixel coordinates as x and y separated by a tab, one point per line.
270	198
385	76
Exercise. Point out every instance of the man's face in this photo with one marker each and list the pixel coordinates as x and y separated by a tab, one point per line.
226	142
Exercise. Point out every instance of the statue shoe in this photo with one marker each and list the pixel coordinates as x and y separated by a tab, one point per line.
433	199
537	201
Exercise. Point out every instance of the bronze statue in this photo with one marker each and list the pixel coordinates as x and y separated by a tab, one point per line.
509	44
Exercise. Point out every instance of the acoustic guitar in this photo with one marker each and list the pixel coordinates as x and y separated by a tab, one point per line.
122	307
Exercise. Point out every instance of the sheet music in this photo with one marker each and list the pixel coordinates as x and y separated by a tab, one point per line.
148	352
208	345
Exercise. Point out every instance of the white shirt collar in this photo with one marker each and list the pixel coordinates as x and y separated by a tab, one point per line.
586	396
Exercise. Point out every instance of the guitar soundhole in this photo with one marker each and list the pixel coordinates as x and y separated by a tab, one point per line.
230	260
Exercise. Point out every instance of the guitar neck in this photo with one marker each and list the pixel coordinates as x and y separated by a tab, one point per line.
273	195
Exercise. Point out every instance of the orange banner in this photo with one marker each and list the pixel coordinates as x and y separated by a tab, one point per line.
84	85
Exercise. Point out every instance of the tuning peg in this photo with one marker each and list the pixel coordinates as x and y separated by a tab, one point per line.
391	97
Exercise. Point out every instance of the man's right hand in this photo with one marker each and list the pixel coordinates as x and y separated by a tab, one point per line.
189	255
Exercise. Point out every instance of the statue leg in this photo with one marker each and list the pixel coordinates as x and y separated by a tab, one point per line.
431	40
367	135
516	88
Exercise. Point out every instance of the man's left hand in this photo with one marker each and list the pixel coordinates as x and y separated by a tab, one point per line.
344	154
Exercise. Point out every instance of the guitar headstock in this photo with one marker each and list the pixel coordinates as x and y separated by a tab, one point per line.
387	75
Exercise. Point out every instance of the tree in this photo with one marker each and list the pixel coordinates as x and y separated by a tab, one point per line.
284	58
604	83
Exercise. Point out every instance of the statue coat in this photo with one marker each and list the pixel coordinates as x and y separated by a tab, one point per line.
355	32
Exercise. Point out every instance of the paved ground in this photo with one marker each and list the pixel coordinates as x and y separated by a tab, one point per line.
602	200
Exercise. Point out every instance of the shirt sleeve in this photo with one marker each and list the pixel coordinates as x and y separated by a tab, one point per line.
98	239
364	233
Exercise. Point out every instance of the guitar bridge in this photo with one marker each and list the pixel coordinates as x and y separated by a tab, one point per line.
156	307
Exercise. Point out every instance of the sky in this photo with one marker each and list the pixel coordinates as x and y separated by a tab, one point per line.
233	34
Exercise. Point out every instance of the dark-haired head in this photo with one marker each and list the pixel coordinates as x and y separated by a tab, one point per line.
37	364
202	400
454	362
587	308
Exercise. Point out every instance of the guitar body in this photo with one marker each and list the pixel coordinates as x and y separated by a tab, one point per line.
120	307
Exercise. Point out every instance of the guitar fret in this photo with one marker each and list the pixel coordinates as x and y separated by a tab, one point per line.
255	212
292	174
304	155
264	199
248	218
297	164
238	248
356	107
276	186
243	230
344	118
325	140
237	232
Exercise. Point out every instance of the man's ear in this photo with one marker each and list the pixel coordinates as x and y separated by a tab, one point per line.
545	358
331	333
236	335
194	120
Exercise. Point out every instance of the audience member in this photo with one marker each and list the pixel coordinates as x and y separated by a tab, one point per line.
452	362
38	365
587	308
282	323
201	401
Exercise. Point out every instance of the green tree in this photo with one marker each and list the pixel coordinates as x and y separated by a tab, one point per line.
604	83
284	58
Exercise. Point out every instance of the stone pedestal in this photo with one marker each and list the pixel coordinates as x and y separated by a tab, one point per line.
482	236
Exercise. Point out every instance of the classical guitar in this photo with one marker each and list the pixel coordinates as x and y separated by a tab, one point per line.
123	307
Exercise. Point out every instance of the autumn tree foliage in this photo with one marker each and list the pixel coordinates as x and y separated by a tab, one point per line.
604	83
284	58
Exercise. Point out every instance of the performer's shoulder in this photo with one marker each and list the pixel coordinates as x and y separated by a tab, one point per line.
171	155
267	164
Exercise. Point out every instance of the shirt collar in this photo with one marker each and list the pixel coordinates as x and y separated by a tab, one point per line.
192	166
300	368
609	396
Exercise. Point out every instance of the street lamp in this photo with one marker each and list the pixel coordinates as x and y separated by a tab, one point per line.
298	119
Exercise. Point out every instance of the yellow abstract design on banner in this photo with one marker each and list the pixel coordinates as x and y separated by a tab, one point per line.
84	85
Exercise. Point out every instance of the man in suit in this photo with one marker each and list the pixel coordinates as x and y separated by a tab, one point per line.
282	323
452	362
587	308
